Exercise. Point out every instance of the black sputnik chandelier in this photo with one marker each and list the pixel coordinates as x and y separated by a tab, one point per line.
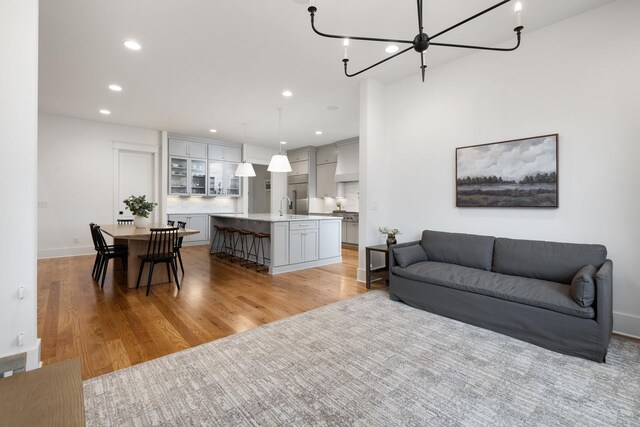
422	41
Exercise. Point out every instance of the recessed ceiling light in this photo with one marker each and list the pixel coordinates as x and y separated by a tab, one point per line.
392	48
318	132
332	107
213	130
287	93
133	45
115	88
105	112
283	142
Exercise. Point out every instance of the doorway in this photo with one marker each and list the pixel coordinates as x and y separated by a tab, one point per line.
260	190
134	175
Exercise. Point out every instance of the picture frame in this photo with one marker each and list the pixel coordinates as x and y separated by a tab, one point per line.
520	173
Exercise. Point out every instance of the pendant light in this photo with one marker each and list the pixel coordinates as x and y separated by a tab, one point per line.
279	162
244	168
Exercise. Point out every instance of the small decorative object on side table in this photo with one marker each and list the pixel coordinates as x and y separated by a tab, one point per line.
391	234
378	272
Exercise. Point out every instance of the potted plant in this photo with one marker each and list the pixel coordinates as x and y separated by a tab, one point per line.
390	233
140	209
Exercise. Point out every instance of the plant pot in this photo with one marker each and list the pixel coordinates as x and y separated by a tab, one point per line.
391	240
140	221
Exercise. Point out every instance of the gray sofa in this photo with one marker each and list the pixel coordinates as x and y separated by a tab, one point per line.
555	295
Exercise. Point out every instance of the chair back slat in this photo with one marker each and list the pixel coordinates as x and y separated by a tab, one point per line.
161	241
93	236
102	243
124	221
171	223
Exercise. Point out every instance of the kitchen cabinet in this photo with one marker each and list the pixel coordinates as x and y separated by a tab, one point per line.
351	233
325	180
199	168
187	176
329	236
328	154
198	222
298	156
280	253
299	168
223	152
222	179
179	147
303	241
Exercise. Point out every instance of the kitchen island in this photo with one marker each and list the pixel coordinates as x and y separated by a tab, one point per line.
297	242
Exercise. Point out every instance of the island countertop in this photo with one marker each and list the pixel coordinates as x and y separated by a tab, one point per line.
276	218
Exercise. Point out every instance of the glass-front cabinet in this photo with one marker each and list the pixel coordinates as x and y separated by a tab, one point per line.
193	175
198	169
216	178
178	179
232	182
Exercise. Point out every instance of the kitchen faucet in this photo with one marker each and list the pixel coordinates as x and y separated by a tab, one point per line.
283	197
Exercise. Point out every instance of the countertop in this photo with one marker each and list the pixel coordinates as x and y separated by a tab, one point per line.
277	218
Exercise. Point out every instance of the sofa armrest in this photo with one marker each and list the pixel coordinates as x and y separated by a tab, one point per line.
604	301
392	259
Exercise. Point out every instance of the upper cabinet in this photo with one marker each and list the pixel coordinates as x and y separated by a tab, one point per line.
225	153
328	154
203	169
179	147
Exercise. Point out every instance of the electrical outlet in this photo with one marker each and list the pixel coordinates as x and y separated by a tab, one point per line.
76	239
20	292
43	204
21	339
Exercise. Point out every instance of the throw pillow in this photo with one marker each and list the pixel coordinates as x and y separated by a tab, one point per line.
583	288
407	255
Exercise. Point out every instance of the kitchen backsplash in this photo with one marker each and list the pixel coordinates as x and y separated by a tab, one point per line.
178	205
348	192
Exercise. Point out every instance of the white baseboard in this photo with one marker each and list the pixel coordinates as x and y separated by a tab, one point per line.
361	275
33	354
65	252
626	324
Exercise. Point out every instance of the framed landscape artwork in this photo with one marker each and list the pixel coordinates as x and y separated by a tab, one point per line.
517	173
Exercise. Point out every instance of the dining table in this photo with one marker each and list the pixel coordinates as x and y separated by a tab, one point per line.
137	241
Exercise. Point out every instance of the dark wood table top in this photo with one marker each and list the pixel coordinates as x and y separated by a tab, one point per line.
51	395
379	248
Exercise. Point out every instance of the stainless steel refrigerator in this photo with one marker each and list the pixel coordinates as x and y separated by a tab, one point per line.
298	192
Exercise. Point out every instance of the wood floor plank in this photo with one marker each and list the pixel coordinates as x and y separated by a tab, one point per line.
116	327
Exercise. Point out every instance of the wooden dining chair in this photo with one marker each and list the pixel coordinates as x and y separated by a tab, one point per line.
178	246
171	223
160	250
108	252
124	221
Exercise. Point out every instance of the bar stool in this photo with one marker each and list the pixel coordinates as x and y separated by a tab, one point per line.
229	245
254	251
219	238
243	238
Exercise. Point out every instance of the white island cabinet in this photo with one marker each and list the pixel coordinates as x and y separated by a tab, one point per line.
297	242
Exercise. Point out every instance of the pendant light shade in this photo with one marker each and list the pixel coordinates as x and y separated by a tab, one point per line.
245	169
279	162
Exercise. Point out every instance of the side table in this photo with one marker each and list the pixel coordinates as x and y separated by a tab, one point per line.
380	272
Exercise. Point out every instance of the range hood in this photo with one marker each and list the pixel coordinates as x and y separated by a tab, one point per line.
348	165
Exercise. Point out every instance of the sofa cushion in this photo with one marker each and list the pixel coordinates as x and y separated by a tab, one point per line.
469	250
556	262
539	293
407	255
583	288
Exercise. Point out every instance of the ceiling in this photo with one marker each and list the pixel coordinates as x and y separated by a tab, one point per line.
218	64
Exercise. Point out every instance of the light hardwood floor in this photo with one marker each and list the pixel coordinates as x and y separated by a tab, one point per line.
120	327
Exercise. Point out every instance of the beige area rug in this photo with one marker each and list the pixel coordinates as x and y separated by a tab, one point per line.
370	361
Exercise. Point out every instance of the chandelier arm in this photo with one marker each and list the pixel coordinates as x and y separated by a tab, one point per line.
420	27
496	49
469	19
346	61
422	66
312	11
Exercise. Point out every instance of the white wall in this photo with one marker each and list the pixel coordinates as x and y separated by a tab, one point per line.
19	124
578	78
75	179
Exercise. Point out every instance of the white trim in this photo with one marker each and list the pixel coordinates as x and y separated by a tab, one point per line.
33	355
65	252
157	168
361	275
304	265
626	324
